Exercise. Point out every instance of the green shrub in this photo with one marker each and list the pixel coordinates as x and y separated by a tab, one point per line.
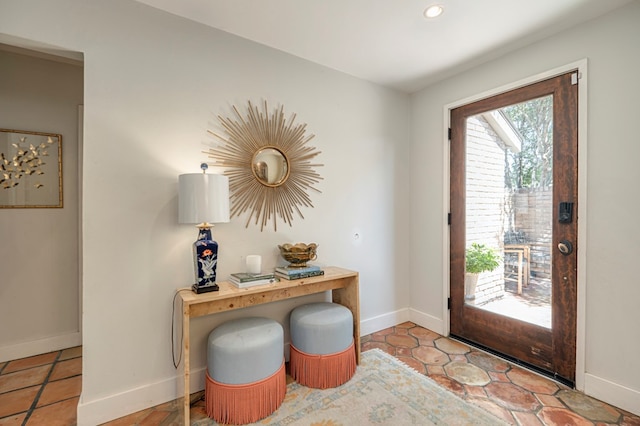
480	258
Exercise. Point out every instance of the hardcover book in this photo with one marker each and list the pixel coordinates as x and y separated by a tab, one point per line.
242	277
300	275
247	284
295	271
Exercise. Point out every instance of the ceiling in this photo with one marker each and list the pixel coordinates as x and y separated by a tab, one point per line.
389	42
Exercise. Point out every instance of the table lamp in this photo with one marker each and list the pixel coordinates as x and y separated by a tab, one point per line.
203	199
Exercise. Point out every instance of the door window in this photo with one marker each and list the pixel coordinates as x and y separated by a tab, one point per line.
509	187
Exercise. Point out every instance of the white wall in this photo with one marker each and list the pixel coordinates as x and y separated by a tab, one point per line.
154	84
612	292
39	290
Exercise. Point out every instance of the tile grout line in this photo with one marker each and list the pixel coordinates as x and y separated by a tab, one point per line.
44	383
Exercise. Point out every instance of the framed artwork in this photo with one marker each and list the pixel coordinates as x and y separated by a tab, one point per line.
30	169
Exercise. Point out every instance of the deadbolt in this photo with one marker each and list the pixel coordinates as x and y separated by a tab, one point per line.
565	247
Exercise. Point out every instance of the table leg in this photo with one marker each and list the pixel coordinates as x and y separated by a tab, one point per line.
527	263
519	272
348	296
186	364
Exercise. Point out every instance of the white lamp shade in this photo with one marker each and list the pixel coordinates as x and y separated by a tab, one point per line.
203	198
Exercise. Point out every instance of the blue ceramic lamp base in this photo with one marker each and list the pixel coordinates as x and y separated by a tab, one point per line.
205	256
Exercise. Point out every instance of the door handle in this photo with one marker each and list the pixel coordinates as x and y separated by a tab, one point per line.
565	247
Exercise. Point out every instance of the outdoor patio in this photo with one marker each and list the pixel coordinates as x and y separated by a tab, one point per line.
533	305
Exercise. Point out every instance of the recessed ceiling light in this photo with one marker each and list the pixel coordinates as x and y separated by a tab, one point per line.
433	11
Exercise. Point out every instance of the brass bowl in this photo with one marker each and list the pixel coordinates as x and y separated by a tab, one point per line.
298	254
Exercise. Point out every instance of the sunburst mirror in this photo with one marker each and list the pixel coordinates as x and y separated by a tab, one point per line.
269	164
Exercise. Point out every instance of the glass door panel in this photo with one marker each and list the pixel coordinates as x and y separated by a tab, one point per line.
509	188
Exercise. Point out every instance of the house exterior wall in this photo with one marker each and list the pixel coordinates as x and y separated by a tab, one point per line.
533	217
485	198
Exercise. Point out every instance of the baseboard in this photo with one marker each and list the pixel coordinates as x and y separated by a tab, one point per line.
381	322
114	406
427	321
40	346
397	317
612	393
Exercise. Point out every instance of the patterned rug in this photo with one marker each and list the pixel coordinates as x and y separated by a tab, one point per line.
384	391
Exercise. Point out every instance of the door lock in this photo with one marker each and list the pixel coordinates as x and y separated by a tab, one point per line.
565	247
565	212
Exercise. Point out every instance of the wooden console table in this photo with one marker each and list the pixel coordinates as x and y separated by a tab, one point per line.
342	283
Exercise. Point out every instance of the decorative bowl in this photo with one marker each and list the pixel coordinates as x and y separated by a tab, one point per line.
298	254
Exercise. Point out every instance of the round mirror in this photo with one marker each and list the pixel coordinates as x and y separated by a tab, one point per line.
270	166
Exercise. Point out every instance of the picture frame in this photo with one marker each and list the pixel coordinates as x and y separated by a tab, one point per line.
30	169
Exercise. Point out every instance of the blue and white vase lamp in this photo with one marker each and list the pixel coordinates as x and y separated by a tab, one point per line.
204	200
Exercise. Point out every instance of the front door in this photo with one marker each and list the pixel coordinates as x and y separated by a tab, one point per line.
514	225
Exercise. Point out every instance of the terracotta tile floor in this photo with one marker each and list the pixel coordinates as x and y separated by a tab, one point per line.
516	395
508	391
42	389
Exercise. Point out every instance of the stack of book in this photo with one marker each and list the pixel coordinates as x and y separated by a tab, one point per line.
290	273
245	279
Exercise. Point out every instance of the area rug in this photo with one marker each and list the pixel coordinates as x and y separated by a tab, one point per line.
384	391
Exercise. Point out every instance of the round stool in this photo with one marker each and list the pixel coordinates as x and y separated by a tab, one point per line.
322	349
246	378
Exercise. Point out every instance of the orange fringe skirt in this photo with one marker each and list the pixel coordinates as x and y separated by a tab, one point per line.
322	371
245	403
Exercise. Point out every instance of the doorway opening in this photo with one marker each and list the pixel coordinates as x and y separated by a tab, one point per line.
42	91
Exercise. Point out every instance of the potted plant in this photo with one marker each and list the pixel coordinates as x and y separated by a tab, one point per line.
478	258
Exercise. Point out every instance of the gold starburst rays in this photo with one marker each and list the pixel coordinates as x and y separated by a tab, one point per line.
269	165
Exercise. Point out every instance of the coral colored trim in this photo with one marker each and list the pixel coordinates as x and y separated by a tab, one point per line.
245	403
323	371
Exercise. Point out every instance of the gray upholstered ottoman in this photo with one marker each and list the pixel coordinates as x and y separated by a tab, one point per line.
322	349
246	379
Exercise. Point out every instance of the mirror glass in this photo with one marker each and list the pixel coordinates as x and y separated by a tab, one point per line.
270	166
